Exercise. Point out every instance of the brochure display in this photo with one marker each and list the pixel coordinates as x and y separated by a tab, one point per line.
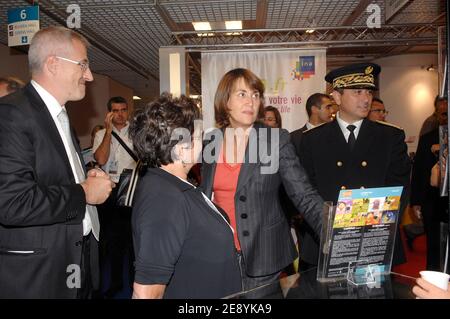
358	235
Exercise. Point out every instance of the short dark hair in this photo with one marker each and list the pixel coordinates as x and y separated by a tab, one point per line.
224	89
116	99
12	84
314	100
375	99
438	99
152	125
270	108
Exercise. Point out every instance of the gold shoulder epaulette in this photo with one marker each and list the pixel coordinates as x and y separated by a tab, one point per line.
389	124
312	128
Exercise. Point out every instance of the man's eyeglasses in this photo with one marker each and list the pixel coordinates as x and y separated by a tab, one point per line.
380	111
83	64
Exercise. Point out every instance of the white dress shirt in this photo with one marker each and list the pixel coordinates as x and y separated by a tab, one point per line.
117	152
343	125
55	108
309	125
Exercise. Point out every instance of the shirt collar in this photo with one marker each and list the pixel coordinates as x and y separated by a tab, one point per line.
343	124
50	101
309	125
124	129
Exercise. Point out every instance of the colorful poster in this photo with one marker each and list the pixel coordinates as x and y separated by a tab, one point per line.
289	77
364	229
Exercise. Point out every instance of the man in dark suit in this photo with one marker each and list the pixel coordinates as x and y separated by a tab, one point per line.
319	108
425	199
48	226
352	151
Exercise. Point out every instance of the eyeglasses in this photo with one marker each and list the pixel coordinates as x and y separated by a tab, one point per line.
380	111
83	64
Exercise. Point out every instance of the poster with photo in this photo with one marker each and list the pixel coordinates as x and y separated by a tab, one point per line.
364	229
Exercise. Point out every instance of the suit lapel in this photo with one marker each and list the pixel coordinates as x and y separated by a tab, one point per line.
209	167
247	168
304	128
364	140
45	121
337	140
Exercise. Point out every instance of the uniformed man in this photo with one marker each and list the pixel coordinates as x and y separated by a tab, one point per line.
352	151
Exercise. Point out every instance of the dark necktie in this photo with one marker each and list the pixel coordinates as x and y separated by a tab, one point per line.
351	138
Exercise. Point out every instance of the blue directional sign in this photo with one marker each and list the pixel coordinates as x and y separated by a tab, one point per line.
23	23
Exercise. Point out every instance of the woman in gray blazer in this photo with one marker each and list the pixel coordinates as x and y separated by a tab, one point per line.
244	164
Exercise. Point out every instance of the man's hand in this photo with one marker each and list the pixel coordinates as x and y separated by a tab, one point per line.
97	187
435	148
417	211
108	122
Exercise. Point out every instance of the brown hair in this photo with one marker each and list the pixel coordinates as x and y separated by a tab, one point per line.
225	88
270	108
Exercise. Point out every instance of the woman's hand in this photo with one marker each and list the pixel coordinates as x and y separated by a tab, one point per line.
425	290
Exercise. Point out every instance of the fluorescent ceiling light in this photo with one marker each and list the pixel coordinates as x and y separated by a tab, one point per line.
233	25
205	34
201	26
135	97
233	33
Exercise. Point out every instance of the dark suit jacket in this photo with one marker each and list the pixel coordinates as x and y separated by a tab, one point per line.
41	206
296	137
263	230
308	241
433	206
379	159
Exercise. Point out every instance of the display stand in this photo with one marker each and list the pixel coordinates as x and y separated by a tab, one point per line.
358	235
325	240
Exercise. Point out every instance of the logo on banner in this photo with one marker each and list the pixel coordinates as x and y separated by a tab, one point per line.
304	68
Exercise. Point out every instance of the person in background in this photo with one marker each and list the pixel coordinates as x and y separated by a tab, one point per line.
246	185
319	108
377	110
49	226
88	156
432	122
353	152
272	117
9	85
94	131
183	242
426	202
116	244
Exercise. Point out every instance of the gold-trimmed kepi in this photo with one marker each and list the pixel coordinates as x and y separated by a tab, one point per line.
354	76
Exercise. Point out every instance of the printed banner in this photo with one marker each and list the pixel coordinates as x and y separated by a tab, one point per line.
289	76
